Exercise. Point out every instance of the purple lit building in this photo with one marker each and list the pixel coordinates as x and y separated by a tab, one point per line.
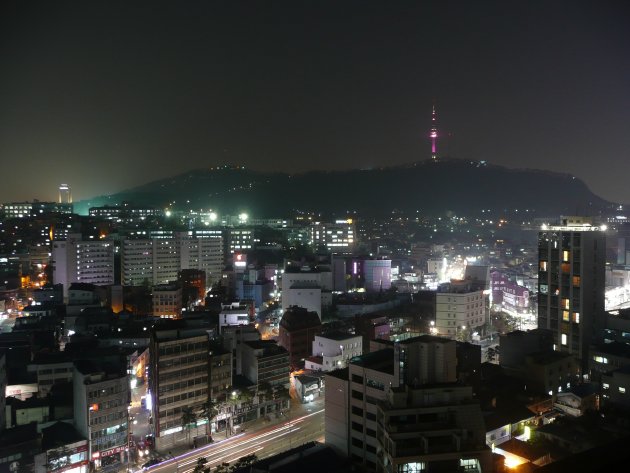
507	292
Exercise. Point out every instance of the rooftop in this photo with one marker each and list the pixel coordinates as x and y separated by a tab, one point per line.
381	360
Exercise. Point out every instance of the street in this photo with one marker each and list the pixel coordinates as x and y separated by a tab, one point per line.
263	443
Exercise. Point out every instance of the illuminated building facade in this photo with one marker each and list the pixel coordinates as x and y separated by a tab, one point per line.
83	261
167	301
34	209
459	310
571	281
101	399
179	378
159	259
338	237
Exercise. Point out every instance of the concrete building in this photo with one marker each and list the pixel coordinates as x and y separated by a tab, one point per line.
571	267
306	287
50	371
76	260
354	394
220	370
432	428
516	345
378	274
101	399
34	209
234	336
3	389
63	450
297	330
264	361
179	377
616	388
234	314
158	260
459	310
333	350
339	236
167	301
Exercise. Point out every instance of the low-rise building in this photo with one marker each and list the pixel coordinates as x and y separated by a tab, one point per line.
333	351
297	331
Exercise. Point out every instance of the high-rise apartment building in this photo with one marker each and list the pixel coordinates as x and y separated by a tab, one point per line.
82	261
571	280
179	378
158	260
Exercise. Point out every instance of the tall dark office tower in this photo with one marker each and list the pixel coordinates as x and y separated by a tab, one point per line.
571	268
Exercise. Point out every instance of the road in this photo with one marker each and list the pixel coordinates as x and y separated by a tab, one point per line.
263	443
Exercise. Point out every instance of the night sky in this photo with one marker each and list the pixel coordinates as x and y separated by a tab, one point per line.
107	95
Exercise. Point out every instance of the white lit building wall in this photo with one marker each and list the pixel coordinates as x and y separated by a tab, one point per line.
75	260
95	262
166	260
308	297
337	352
137	262
454	311
208	257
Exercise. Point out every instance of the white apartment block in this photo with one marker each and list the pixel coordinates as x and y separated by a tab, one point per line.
159	259
89	261
457	311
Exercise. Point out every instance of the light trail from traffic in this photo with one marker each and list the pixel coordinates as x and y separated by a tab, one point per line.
240	445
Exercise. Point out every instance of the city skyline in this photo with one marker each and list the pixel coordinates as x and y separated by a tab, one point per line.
109	97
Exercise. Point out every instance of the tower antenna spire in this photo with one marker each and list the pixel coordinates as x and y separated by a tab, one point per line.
433	134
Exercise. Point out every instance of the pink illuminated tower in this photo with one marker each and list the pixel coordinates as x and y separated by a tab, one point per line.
433	135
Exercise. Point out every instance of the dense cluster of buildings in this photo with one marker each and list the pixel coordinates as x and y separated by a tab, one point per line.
199	320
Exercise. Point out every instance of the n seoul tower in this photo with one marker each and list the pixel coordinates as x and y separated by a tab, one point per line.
433	134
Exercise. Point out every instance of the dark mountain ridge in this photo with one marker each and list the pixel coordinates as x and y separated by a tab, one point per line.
427	187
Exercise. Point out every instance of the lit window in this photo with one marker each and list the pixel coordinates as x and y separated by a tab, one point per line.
565	304
605	385
565	255
576	317
622	390
576	281
543	266
564	339
565	315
